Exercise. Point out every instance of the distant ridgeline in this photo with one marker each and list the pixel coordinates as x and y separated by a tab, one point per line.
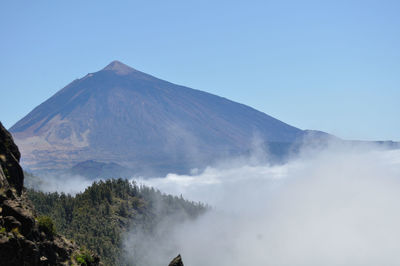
99	217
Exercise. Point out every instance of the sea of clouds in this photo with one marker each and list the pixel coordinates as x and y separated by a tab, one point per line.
332	206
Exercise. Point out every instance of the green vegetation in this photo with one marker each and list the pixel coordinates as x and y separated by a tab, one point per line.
84	257
16	232
98	217
46	225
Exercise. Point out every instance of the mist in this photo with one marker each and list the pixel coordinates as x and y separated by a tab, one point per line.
61	182
332	206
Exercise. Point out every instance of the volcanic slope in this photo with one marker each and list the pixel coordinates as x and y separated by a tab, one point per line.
124	116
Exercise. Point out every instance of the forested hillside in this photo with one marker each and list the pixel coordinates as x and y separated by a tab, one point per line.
99	217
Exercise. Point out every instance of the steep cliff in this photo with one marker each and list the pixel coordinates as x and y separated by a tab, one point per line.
24	238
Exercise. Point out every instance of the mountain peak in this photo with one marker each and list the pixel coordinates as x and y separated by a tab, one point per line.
140	122
119	68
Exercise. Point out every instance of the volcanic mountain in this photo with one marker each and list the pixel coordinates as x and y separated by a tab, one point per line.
123	116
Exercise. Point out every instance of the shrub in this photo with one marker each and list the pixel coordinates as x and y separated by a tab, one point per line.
46	225
84	258
16	232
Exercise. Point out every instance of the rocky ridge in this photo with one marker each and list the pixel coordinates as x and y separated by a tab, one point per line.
24	238
177	261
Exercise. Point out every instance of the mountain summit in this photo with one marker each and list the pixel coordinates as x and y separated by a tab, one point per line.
124	116
119	68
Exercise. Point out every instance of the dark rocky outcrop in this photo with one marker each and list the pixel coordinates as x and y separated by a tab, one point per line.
9	161
22	240
177	261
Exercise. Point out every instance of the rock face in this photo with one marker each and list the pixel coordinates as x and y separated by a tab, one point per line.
176	261
9	162
124	116
23	240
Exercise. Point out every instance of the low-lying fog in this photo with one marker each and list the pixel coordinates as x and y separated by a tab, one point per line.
338	206
332	207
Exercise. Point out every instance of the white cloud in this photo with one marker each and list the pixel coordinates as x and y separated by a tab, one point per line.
339	206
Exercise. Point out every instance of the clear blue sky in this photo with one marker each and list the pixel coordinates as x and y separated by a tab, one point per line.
327	65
